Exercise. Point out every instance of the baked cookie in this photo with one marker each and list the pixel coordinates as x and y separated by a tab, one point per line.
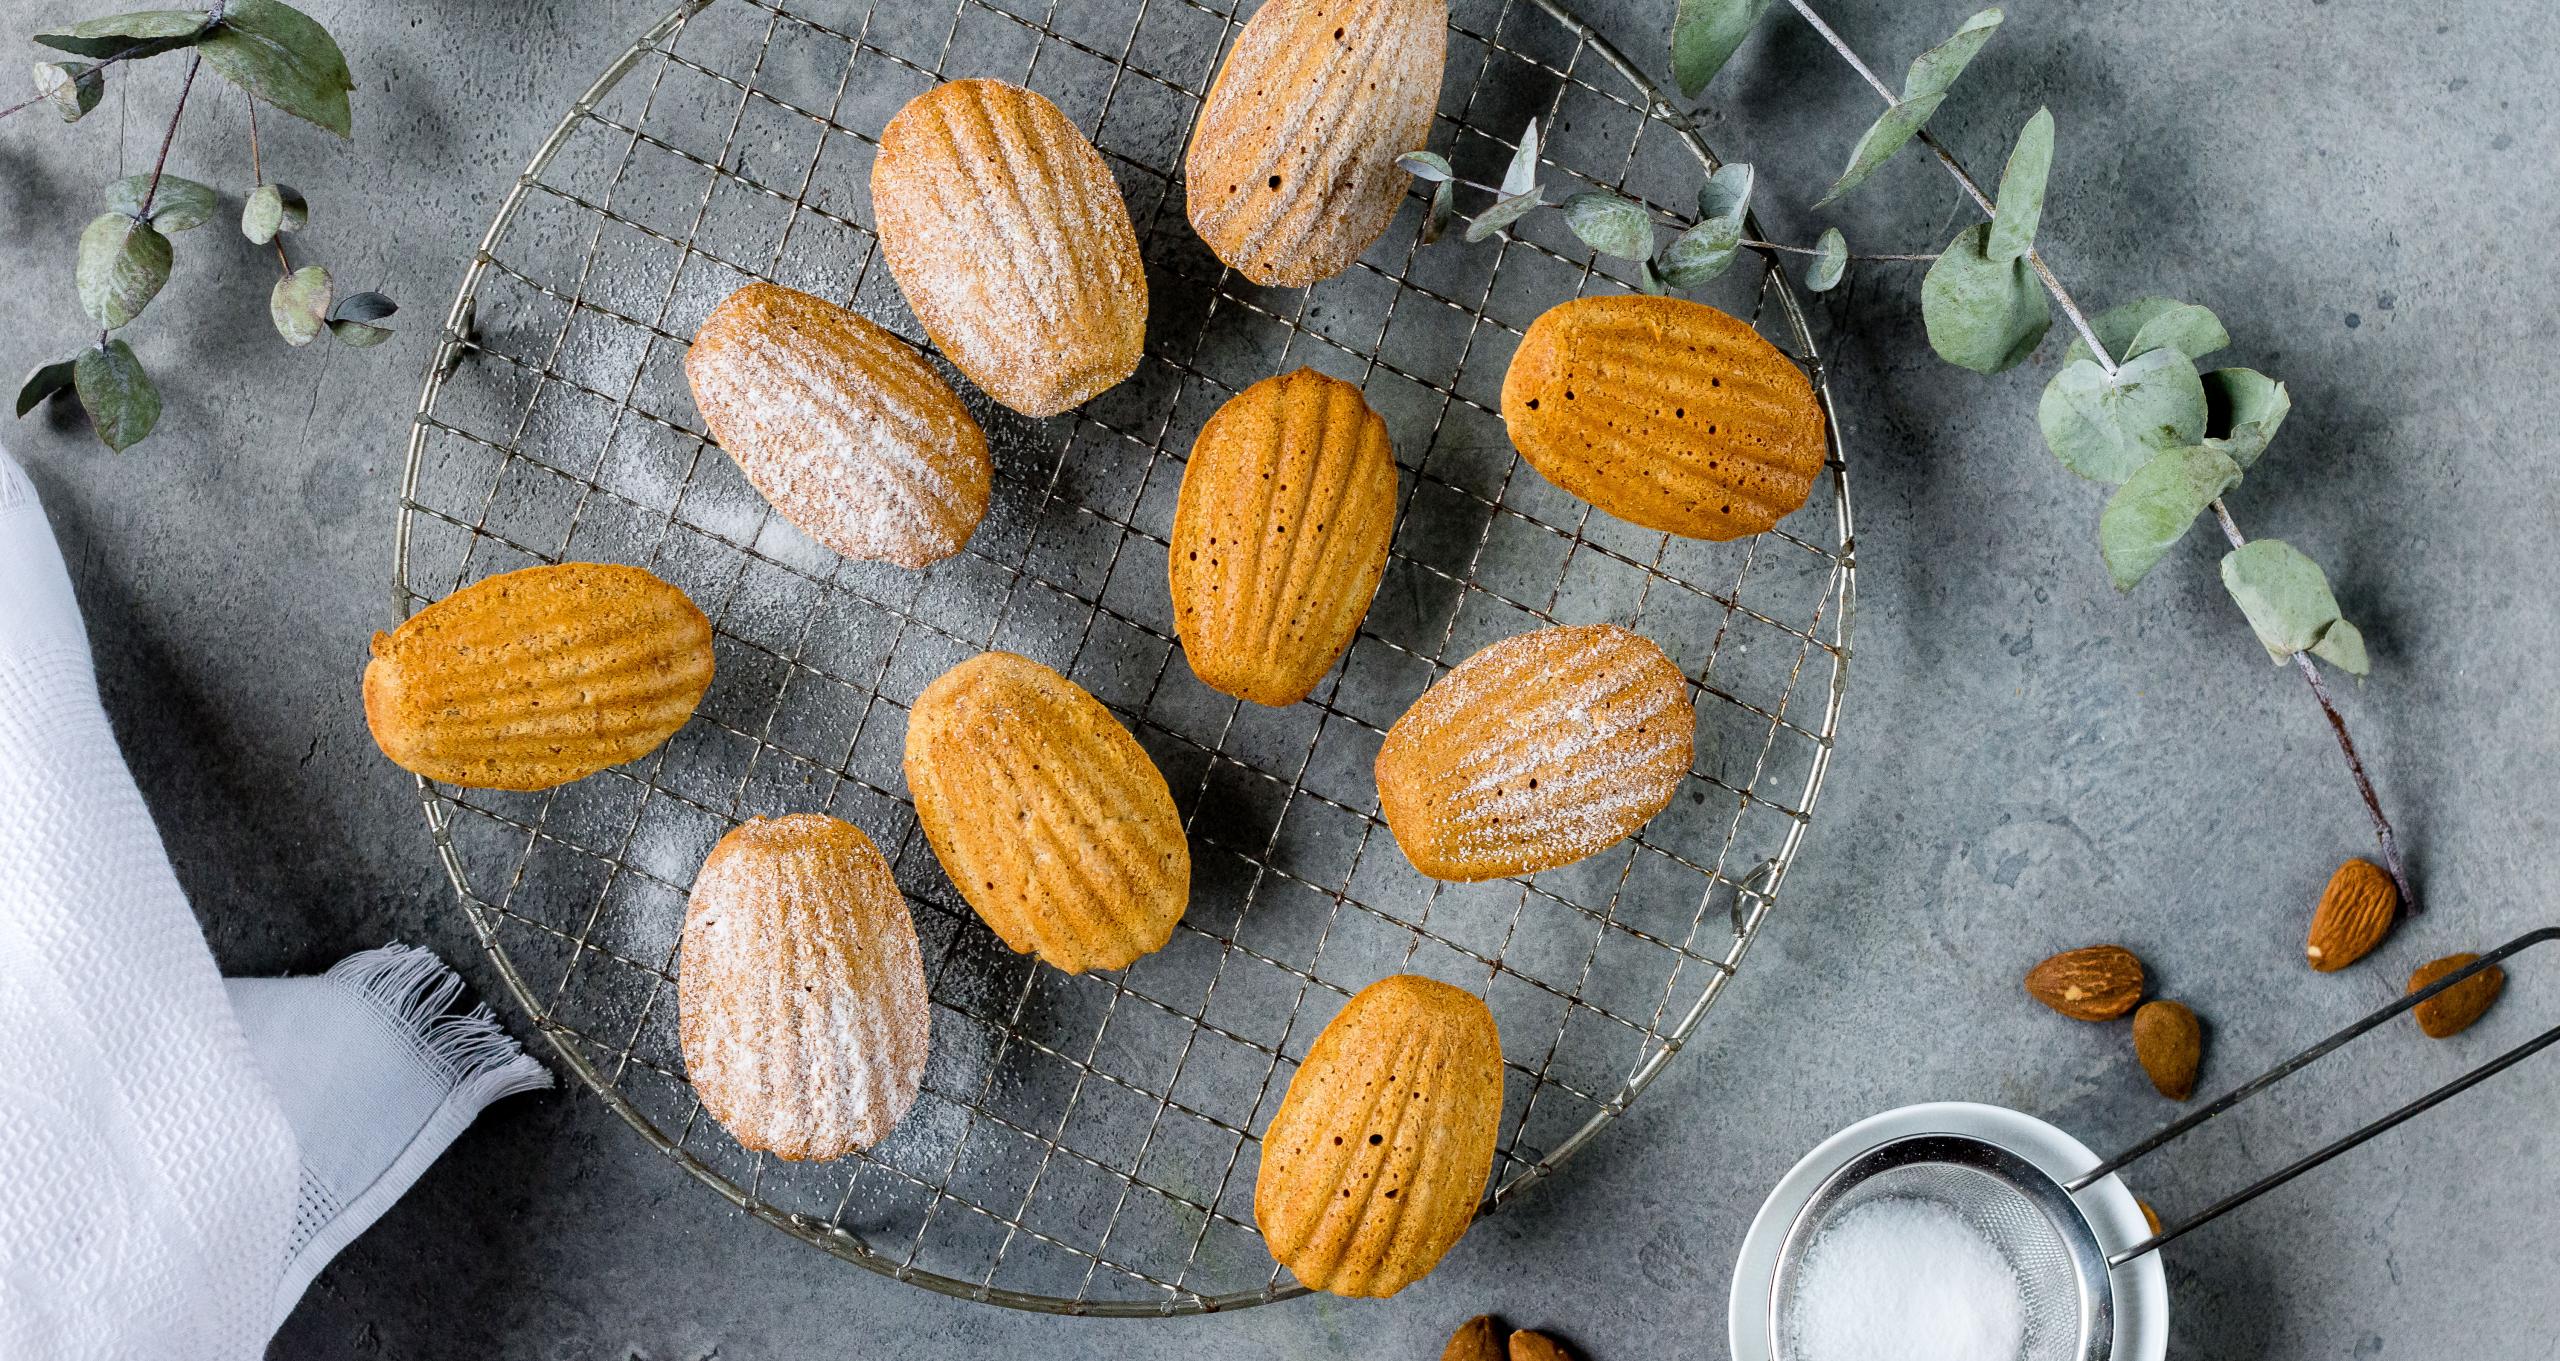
1280	535
531	679
1536	752
1048	816
842	426
1010	239
1375	1162
800	997
1665	413
1292	169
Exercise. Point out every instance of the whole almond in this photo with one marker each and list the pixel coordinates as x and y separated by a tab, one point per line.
2355	913
2095	983
1529	1346
2452	1011
1477	1339
2170	1044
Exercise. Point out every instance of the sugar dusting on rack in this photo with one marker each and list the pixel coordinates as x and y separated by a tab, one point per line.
1907	1279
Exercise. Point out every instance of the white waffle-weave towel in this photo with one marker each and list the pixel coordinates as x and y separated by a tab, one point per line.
178	1156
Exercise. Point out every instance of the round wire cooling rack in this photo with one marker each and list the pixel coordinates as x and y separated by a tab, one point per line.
1088	1144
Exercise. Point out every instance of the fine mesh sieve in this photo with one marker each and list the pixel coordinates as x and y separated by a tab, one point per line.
2031	1218
2026	1216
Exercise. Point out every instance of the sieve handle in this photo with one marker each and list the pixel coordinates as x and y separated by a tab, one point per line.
2299	1061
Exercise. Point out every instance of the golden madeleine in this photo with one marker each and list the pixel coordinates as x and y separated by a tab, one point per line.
1536	752
1012	244
1378	1156
1280	535
534	678
1665	413
1292	168
1048	816
842	426
800	999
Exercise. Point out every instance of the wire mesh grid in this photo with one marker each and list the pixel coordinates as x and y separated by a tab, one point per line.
1089	1144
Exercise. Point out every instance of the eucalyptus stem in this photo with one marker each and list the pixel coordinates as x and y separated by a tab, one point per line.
170	138
2034	257
2382	829
258	177
1496	191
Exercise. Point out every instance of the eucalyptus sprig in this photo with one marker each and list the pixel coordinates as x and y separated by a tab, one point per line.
276	55
1696	253
2129	406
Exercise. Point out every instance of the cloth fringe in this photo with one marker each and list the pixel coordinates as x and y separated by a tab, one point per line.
414	992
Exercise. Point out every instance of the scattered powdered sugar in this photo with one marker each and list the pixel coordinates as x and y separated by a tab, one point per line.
1905	1279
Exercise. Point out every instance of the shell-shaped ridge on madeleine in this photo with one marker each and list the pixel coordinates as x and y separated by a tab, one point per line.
1374	1164
801	1003
1051	820
538	677
1280	535
1291	172
840	425
1666	413
1012	244
1538	751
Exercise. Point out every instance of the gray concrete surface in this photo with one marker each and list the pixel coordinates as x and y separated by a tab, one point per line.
2028	762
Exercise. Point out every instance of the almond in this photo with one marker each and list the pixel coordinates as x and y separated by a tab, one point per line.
2094	983
1529	1346
2452	1011
2355	913
1477	1339
2170	1044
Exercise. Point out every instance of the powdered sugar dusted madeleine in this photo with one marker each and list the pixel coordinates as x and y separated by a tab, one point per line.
1373	1166
534	678
1292	169
1536	752
842	426
1012	244
1666	413
1048	816
1280	535
801	997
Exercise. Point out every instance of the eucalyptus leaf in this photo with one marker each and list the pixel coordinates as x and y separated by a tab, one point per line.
1830	261
1649	279
1443	210
1934	72
2243	407
1727	193
365	307
1982	314
1521	176
281	55
2013	225
178	205
299	305
359	335
2342	643
1426	165
117	393
273	208
123	262
2285	595
143	33
1610	224
2155	506
2148	323
1502	214
1882	138
1704	34
73	88
1701	254
46	380
2105	427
